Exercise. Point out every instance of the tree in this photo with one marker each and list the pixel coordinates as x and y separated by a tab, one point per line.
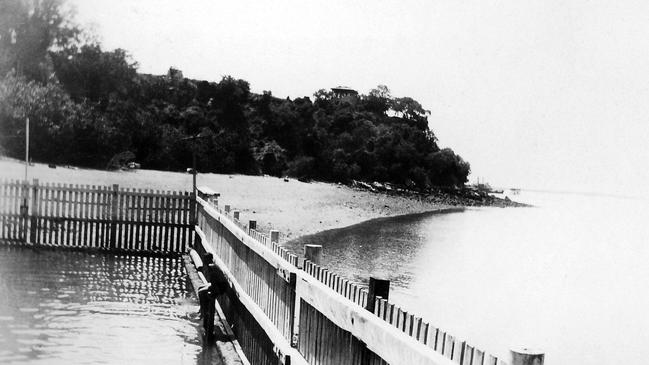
271	158
29	31
410	109
448	169
89	72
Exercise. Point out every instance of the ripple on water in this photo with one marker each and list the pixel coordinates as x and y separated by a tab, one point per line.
57	307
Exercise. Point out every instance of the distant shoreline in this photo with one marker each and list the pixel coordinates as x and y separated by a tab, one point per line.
294	208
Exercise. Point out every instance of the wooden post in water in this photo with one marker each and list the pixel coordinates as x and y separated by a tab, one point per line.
525	356
113	217
274	236
33	227
313	253
377	288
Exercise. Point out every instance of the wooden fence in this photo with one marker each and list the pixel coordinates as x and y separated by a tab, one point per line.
308	314
95	217
284	309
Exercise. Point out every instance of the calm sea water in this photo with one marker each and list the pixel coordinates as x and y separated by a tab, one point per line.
79	308
569	276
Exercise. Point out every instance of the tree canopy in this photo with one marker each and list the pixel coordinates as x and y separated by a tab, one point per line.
88	105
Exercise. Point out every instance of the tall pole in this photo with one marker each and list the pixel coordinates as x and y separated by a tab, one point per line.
26	147
23	209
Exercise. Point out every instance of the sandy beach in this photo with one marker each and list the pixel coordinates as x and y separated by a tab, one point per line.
294	208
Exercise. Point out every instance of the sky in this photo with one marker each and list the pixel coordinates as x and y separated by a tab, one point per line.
534	94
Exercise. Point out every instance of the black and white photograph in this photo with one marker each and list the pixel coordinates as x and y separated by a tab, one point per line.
414	182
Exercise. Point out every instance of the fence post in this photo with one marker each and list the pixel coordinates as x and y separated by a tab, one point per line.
113	216
377	288
313	253
33	226
525	356
192	209
24	211
274	236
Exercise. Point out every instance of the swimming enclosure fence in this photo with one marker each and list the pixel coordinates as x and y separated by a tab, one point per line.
283	309
95	217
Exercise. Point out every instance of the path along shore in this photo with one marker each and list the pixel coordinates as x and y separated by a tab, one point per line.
294	208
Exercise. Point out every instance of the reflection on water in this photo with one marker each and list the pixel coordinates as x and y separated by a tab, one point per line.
71	307
384	248
569	276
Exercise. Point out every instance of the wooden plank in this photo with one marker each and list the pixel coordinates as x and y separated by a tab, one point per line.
33	229
74	214
59	215
84	215
418	330
97	218
156	220
381	338
50	214
113	212
440	341
478	357
4	232
491	360
431	336
106	212
458	351
127	217
3	202
146	234
65	222
94	214
138	219
166	219
87	212
467	358
150	214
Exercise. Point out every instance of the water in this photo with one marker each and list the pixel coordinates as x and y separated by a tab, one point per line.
80	308
569	276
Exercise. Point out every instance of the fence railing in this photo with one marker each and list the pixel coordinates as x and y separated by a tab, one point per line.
453	348
308	319
95	217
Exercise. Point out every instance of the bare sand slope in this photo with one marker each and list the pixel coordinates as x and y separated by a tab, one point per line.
294	208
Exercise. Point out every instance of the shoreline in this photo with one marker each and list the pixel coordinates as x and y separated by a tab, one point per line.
375	221
294	208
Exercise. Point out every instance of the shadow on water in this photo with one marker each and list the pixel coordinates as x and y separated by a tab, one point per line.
75	307
384	246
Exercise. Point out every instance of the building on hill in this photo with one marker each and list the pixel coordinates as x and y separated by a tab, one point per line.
343	91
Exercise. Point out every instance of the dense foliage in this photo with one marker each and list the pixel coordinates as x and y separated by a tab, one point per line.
86	105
